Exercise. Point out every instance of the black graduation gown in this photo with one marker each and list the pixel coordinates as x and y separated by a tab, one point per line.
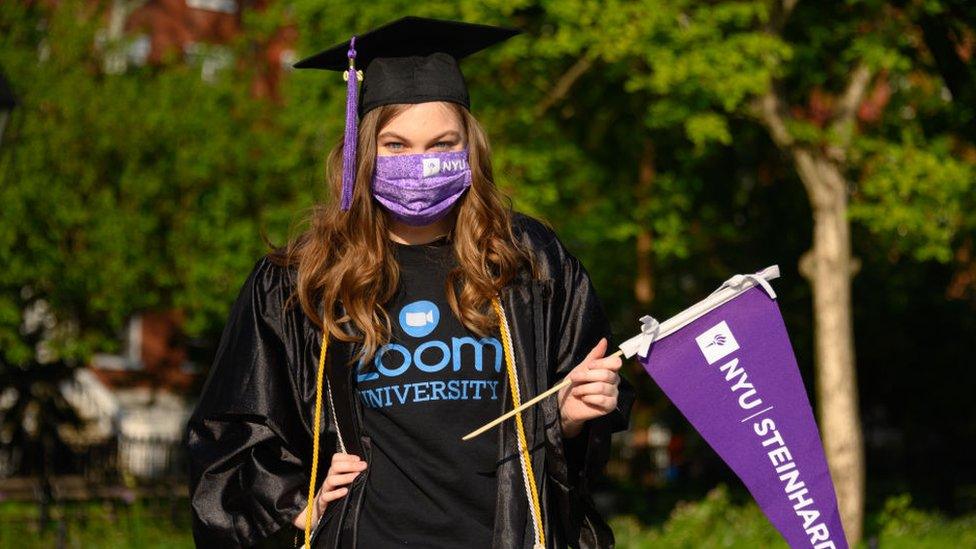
249	438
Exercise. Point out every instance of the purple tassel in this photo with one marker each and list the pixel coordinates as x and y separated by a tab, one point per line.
352	129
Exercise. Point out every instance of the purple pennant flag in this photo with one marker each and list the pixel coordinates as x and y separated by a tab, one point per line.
732	373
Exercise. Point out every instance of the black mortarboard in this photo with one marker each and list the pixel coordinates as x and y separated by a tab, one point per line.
410	60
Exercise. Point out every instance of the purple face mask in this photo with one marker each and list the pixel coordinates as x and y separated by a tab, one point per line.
419	189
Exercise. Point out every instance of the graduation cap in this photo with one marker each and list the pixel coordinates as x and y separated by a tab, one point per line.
410	60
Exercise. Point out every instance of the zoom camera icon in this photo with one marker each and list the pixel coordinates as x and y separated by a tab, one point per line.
419	318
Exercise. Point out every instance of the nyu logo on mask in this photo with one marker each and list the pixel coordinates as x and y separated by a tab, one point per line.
419	189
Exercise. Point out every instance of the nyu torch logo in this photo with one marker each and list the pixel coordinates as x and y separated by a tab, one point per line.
432	166
717	342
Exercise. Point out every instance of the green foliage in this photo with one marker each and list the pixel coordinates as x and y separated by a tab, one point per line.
712	522
150	188
145	189
716	521
901	526
919	196
153	525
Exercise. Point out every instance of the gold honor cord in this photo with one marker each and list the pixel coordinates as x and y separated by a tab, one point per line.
315	437
525	457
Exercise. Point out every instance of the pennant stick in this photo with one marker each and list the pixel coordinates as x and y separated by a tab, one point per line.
566	381
652	331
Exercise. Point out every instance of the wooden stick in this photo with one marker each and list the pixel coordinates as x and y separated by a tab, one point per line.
725	293
566	381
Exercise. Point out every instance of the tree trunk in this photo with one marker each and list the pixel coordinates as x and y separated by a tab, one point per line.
829	268
644	282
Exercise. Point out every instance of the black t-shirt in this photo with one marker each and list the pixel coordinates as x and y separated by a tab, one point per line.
434	382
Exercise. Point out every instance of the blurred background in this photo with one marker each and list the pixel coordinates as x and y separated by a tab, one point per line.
146	146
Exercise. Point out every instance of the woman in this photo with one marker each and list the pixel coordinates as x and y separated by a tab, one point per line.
446	309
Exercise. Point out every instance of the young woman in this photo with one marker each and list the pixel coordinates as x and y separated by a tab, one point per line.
425	307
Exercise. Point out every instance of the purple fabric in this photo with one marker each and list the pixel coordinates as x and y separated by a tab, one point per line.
352	130
733	374
419	189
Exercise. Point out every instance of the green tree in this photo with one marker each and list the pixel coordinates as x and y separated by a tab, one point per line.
132	190
816	79
651	133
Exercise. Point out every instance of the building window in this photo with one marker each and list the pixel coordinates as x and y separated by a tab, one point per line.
211	58
288	57
138	50
221	6
131	357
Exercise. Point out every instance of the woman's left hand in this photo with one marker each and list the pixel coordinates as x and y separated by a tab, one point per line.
593	390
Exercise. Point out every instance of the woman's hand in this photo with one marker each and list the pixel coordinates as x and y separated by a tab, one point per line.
342	471
592	392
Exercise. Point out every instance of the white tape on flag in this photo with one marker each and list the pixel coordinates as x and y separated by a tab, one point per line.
735	286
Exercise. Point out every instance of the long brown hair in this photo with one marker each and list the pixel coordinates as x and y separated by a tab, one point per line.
347	256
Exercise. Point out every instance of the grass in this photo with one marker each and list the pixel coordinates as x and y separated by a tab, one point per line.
714	521
148	525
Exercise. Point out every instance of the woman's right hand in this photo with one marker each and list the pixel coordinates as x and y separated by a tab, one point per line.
342	471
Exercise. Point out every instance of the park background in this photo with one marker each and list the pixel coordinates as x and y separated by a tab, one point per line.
147	147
